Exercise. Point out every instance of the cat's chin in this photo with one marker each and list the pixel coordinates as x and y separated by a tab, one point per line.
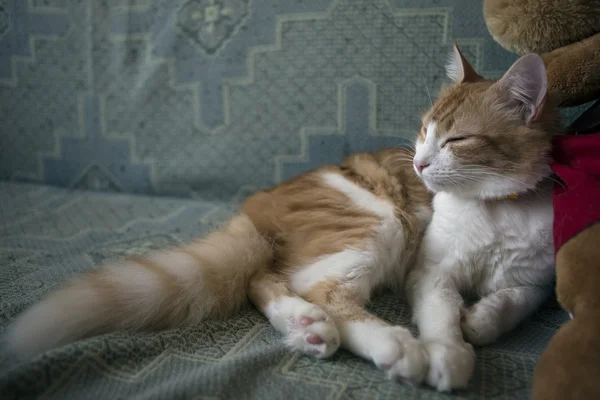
443	186
487	189
476	193
434	187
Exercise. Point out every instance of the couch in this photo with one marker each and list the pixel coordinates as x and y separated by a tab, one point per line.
130	125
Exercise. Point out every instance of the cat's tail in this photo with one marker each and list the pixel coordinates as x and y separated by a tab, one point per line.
176	287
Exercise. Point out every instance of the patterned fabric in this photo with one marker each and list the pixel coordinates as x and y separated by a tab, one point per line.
214	98
49	234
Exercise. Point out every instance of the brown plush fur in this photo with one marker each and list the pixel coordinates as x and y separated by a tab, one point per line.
540	26
570	366
574	72
566	31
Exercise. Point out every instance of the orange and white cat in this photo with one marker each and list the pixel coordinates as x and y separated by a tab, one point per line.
484	150
309	252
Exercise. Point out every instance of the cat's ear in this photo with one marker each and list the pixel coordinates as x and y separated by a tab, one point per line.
526	85
458	68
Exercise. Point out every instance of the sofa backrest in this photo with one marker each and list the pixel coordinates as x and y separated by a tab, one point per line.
216	98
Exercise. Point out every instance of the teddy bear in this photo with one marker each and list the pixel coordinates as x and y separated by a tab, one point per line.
566	33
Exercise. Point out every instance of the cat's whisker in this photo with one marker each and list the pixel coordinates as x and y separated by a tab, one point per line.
395	162
406	160
407	146
413	177
473	175
428	93
548	177
501	176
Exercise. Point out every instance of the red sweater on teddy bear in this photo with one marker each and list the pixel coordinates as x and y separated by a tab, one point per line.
577	199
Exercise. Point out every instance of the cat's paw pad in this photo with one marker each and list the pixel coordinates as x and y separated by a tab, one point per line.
451	364
479	325
312	332
399	354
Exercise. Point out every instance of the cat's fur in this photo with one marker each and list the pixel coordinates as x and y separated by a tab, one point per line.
307	253
481	144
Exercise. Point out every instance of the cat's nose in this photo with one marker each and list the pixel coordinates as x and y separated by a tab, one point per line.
420	166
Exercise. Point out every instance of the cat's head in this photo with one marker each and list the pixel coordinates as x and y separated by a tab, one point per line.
487	139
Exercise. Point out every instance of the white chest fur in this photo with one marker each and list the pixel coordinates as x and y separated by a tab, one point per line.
379	261
486	246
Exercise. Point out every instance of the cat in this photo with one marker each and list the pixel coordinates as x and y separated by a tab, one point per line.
484	150
307	253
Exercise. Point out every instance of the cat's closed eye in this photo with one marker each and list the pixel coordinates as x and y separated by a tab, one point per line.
454	139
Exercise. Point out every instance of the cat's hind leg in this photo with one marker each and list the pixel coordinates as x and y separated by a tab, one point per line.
306	327
391	348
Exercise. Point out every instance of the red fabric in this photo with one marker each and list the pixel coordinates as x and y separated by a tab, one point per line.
577	202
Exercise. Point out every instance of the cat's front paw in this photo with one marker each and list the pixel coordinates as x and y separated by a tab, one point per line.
399	354
479	325
451	364
312	332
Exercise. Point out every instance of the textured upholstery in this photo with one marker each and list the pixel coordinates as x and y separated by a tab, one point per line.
217	97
